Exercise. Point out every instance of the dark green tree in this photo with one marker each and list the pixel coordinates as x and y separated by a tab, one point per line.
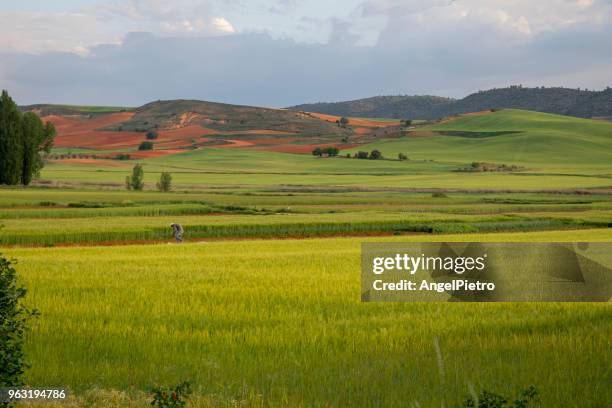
146	146
152	135
317	151
375	155
331	151
165	182
14	316
11	147
344	121
23	139
136	180
36	139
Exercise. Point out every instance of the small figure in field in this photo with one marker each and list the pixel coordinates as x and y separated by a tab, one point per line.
178	232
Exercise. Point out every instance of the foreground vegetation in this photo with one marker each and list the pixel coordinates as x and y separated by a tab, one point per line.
293	330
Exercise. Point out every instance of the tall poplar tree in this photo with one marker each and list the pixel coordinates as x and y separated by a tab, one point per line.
23	138
11	146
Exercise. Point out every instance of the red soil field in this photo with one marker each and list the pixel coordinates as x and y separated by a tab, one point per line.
354	121
83	132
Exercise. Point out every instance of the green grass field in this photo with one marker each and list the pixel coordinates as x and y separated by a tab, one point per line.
532	139
261	306
292	331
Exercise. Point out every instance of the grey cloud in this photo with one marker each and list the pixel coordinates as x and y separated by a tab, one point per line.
259	70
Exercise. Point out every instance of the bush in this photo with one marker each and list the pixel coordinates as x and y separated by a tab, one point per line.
14	318
165	182
146	146
152	135
136	180
331	151
528	398
402	157
361	155
439	194
167	397
375	155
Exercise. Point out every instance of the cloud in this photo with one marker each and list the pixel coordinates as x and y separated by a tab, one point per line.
78	31
378	47
45	32
189	17
283	6
221	25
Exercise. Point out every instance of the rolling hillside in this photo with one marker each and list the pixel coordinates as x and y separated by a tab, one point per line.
510	136
563	101
180	125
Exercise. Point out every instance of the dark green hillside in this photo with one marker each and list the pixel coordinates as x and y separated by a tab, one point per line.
562	101
398	106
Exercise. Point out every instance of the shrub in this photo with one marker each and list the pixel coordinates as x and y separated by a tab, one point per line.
402	157
361	155
165	182
375	155
136	180
331	151
145	146
152	135
168	397
439	194
527	398
14	318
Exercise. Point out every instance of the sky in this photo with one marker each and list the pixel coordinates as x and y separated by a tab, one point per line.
284	52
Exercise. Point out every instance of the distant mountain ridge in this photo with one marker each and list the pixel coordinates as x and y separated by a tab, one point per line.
562	101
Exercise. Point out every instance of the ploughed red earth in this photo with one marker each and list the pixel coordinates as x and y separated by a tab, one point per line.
82	131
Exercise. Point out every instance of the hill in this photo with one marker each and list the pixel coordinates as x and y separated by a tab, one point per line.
177	125
225	117
562	101
513	137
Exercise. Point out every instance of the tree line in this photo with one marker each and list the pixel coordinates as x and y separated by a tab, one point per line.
23	141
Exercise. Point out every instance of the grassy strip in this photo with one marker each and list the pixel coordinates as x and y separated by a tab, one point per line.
142	211
296	229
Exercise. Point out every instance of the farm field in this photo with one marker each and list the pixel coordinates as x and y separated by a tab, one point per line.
64	217
261	305
553	152
293	331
